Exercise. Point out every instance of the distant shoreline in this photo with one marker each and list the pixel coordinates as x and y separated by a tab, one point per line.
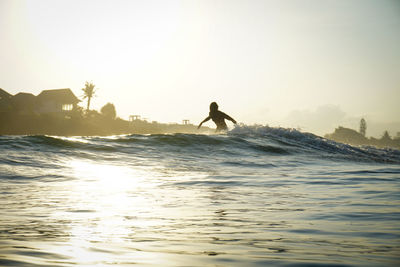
12	124
352	137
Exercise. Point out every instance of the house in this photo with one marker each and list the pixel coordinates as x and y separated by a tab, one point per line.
23	103
5	101
4	94
56	101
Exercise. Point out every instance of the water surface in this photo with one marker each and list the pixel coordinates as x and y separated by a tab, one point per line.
257	196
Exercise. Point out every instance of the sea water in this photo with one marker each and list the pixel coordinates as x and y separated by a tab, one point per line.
256	196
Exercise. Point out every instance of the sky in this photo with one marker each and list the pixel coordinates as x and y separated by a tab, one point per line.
307	64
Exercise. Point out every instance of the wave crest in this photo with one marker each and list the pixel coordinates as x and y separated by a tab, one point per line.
240	142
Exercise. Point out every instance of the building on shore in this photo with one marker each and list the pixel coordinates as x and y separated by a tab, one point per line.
58	102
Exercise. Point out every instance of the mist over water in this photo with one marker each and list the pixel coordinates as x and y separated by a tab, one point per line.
255	196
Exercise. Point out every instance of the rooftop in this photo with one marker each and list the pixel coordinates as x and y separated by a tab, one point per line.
60	95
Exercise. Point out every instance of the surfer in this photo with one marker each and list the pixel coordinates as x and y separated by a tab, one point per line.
218	118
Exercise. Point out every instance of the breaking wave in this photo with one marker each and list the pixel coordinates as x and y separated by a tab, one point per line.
242	141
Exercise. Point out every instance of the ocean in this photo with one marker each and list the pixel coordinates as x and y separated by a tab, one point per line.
255	196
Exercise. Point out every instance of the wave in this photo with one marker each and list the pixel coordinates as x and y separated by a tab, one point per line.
242	141
310	143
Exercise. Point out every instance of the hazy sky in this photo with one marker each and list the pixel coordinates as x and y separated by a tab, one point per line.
312	64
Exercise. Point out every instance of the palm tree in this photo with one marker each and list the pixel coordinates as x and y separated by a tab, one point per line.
88	92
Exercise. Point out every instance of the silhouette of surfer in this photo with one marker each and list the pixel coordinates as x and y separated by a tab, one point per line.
218	118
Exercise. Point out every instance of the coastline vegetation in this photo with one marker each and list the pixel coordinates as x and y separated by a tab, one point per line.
352	137
80	123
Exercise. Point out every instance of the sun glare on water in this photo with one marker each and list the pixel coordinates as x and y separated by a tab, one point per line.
101	201
116	212
108	178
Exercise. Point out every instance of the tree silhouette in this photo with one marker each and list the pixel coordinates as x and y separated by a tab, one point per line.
386	136
88	92
108	111
363	127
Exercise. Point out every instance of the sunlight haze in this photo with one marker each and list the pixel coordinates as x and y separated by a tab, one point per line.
312	65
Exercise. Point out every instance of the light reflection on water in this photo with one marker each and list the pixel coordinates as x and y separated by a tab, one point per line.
105	214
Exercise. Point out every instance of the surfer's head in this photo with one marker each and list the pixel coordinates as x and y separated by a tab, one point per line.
213	107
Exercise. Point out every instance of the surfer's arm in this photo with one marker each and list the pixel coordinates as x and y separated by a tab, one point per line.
206	119
226	116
